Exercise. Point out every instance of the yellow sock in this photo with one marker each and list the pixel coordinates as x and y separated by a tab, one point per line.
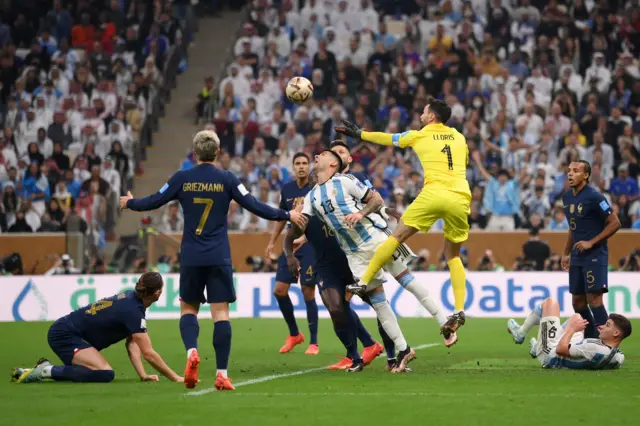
382	256
458	282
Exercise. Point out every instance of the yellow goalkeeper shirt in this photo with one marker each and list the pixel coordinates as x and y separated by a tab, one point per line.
442	150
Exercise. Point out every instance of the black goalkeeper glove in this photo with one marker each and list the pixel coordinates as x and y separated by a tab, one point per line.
349	129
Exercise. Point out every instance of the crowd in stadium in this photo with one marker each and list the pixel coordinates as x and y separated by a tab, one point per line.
533	85
76	84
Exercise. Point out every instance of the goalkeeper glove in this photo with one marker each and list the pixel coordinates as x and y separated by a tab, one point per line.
349	129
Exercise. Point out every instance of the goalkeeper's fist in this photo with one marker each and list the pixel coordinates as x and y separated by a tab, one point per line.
349	129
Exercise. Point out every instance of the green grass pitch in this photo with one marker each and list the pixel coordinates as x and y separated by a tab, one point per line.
484	380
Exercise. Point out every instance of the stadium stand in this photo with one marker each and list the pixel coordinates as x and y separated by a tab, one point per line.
82	87
533	86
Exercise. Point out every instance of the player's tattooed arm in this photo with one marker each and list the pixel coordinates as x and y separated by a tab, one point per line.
292	263
373	202
612	225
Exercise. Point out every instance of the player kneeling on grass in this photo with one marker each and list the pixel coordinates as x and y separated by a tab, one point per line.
79	337
564	346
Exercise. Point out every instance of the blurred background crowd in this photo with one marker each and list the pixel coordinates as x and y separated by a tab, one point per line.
533	85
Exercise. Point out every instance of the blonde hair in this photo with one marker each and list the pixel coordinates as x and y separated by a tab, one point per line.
205	145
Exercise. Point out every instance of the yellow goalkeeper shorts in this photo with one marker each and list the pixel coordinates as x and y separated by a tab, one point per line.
433	204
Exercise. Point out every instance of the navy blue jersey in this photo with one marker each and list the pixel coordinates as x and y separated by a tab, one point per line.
291	196
327	251
587	213
109	320
205	193
362	178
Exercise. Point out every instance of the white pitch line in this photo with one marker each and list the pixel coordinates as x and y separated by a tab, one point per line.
429	394
284	375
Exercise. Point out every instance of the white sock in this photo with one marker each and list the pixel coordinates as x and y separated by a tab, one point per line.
390	323
46	372
532	320
422	294
191	350
224	372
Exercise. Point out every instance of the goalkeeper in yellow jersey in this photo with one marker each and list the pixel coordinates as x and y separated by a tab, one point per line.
443	152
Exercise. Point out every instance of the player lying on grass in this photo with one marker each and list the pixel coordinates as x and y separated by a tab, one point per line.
79	337
342	202
565	346
332	273
205	192
443	152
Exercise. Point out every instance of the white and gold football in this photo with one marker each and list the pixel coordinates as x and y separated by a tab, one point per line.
299	90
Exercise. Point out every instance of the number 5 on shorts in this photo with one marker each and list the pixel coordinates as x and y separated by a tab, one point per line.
208	202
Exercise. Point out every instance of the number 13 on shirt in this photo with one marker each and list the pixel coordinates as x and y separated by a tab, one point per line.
208	205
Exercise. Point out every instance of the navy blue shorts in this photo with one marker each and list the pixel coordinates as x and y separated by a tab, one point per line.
64	342
217	280
306	270
334	277
590	279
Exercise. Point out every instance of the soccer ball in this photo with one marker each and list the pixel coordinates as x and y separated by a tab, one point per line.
299	90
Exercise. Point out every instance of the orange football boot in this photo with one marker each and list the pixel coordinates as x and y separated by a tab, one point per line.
371	352
291	342
343	364
191	370
223	383
313	349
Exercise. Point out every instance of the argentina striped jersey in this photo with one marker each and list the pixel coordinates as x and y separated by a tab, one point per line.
337	198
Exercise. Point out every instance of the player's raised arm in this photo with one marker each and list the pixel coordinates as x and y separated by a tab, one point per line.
277	230
400	140
243	197
167	193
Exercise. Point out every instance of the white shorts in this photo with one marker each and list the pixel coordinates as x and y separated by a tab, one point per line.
549	335
360	260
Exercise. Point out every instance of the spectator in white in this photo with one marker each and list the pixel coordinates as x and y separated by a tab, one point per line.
13	115
172	220
545	169
365	17
570	80
523	29
257	42
79	98
7	157
270	86
251	222
233	77
457	109
312	7
532	122
111	175
608	158
337	115
525	8
33	212
67	58
50	94
501	198
43	115
123	77
282	41
309	40
295	141
538	202
260	153
598	72
63	266
630	67
292	15
45	145
27	131
110	99
342	18
285	155
358	55
600	177
561	124
542	86
333	44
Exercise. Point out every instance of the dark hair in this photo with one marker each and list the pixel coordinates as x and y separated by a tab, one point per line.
300	154
587	168
148	284
622	323
338	142
337	157
533	232
503	172
440	108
